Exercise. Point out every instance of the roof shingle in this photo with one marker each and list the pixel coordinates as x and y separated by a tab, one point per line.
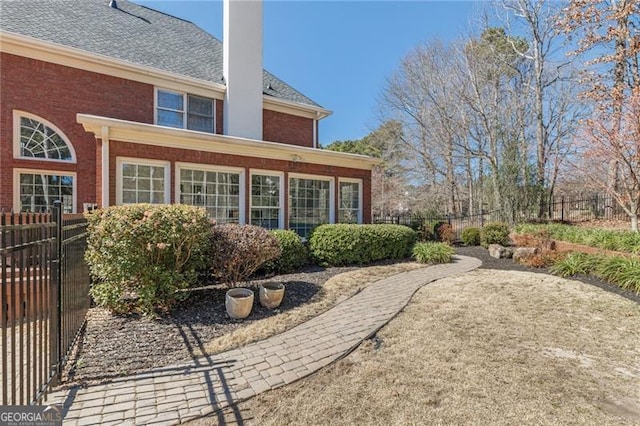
131	33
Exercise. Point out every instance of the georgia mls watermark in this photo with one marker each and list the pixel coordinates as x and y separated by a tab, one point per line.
31	415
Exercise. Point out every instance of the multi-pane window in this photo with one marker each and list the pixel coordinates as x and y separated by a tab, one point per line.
38	191
265	201
349	202
217	191
185	111
37	140
143	183
309	204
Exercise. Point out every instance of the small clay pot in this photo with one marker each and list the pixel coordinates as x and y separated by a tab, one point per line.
239	302
271	294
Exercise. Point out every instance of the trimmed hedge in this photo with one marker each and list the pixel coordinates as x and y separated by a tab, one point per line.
350	244
142	254
294	254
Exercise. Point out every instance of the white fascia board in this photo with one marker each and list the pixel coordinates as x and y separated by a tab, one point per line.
149	134
294	108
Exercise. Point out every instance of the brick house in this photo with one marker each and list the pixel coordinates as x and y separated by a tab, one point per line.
106	103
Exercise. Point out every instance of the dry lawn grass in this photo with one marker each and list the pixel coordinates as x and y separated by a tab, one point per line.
335	290
488	347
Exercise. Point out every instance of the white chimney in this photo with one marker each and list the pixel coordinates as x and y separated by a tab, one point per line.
242	40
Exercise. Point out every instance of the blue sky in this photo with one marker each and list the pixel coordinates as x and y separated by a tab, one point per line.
338	53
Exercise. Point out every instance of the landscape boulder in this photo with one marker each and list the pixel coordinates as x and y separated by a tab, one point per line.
500	252
523	253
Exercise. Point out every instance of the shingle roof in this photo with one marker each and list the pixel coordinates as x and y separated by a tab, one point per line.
130	33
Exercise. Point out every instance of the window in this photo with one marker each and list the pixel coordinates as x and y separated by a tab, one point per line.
38	190
350	201
266	200
142	181
217	190
35	138
310	201
185	111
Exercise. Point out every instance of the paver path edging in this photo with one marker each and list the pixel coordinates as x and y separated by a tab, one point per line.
175	394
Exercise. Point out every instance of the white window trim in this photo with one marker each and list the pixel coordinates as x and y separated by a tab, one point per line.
185	105
360	185
332	191
261	172
212	168
16	184
143	162
17	114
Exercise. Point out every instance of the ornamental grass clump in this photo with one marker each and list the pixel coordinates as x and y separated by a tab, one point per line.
433	252
142	255
575	263
625	272
237	251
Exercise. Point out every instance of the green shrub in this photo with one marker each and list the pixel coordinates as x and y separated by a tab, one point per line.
494	233
349	244
433	253
142	254
471	236
293	253
237	251
425	232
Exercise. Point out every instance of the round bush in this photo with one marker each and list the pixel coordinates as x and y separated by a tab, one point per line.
237	251
445	233
494	233
349	244
141	255
471	236
293	253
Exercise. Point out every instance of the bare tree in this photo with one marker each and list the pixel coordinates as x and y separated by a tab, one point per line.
555	111
609	30
422	96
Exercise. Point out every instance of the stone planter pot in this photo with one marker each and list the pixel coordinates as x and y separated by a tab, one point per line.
271	294
239	302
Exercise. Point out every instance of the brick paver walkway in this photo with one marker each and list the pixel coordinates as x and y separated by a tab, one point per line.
175	394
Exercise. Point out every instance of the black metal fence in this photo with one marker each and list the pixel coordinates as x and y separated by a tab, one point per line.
561	208
43	300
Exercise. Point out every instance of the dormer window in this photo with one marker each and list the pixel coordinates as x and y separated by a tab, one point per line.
185	111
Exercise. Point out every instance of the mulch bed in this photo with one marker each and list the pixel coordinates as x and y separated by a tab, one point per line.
489	262
117	345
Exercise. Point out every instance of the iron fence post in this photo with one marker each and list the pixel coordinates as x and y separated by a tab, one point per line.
57	290
562	208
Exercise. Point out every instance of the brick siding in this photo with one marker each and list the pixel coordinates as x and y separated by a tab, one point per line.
57	93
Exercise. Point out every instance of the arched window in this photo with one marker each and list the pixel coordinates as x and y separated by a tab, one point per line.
38	139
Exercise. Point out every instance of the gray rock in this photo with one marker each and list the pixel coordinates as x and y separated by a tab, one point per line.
500	252
523	253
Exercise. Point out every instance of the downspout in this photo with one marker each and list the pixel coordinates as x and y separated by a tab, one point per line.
105	167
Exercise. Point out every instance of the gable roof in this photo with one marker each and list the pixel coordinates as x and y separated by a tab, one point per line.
131	33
